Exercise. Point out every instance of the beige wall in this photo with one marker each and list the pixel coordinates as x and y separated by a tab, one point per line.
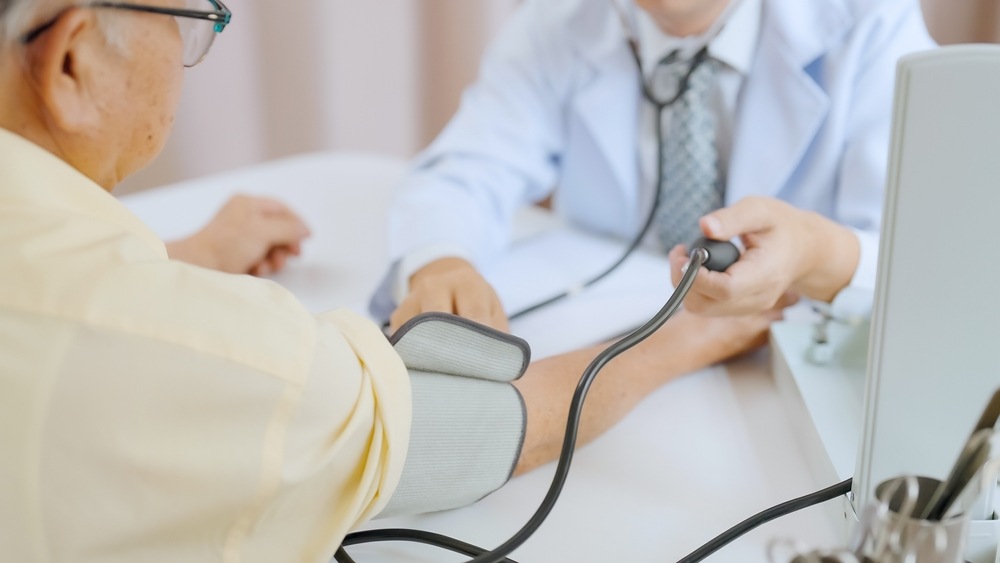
291	76
963	21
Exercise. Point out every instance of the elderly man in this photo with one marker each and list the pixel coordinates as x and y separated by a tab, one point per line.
154	410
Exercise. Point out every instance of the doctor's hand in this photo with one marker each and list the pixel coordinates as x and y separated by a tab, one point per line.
249	235
451	285
788	252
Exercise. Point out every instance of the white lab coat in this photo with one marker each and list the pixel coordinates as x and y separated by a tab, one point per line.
556	110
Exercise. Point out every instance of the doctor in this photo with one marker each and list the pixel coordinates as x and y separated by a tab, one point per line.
777	98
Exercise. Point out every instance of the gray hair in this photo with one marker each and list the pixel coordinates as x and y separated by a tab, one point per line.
16	16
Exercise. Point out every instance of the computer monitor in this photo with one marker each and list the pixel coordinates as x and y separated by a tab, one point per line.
934	357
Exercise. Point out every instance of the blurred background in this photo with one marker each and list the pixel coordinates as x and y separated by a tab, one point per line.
382	76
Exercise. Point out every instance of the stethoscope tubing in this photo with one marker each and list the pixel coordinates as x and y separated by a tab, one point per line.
660	105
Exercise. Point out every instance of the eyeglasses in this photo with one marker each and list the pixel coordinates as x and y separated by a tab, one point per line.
198	27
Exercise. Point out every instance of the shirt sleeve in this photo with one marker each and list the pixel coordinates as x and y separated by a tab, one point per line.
157	447
864	275
344	448
499	152
855	301
894	29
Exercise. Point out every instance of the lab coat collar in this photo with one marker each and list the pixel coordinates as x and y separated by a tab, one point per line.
736	43
793	34
30	175
607	101
608	109
732	40
806	30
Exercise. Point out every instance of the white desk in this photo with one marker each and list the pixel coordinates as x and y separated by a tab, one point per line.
696	457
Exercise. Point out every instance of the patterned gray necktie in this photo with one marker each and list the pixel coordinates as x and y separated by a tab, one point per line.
691	185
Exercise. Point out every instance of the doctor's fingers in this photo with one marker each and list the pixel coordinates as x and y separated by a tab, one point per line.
481	304
706	291
746	288
489	314
749	215
406	311
411	307
418	302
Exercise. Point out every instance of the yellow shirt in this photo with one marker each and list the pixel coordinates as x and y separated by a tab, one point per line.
155	411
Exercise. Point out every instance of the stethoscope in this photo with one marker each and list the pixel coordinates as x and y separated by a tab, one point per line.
659	104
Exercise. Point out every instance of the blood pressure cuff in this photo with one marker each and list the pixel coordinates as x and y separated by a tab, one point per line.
468	420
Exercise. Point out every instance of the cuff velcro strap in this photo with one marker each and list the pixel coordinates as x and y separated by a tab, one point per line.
450	345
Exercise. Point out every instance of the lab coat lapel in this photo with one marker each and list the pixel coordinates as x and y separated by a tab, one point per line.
782	107
607	104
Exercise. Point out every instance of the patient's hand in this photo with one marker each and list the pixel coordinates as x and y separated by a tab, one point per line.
788	252
249	235
451	285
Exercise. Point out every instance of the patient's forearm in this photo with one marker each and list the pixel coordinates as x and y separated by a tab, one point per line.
684	344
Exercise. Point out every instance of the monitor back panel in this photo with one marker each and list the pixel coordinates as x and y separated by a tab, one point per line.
935	340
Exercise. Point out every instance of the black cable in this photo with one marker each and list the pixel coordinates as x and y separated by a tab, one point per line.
650	218
782	509
659	105
341	556
695	556
625	255
698	257
415	536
